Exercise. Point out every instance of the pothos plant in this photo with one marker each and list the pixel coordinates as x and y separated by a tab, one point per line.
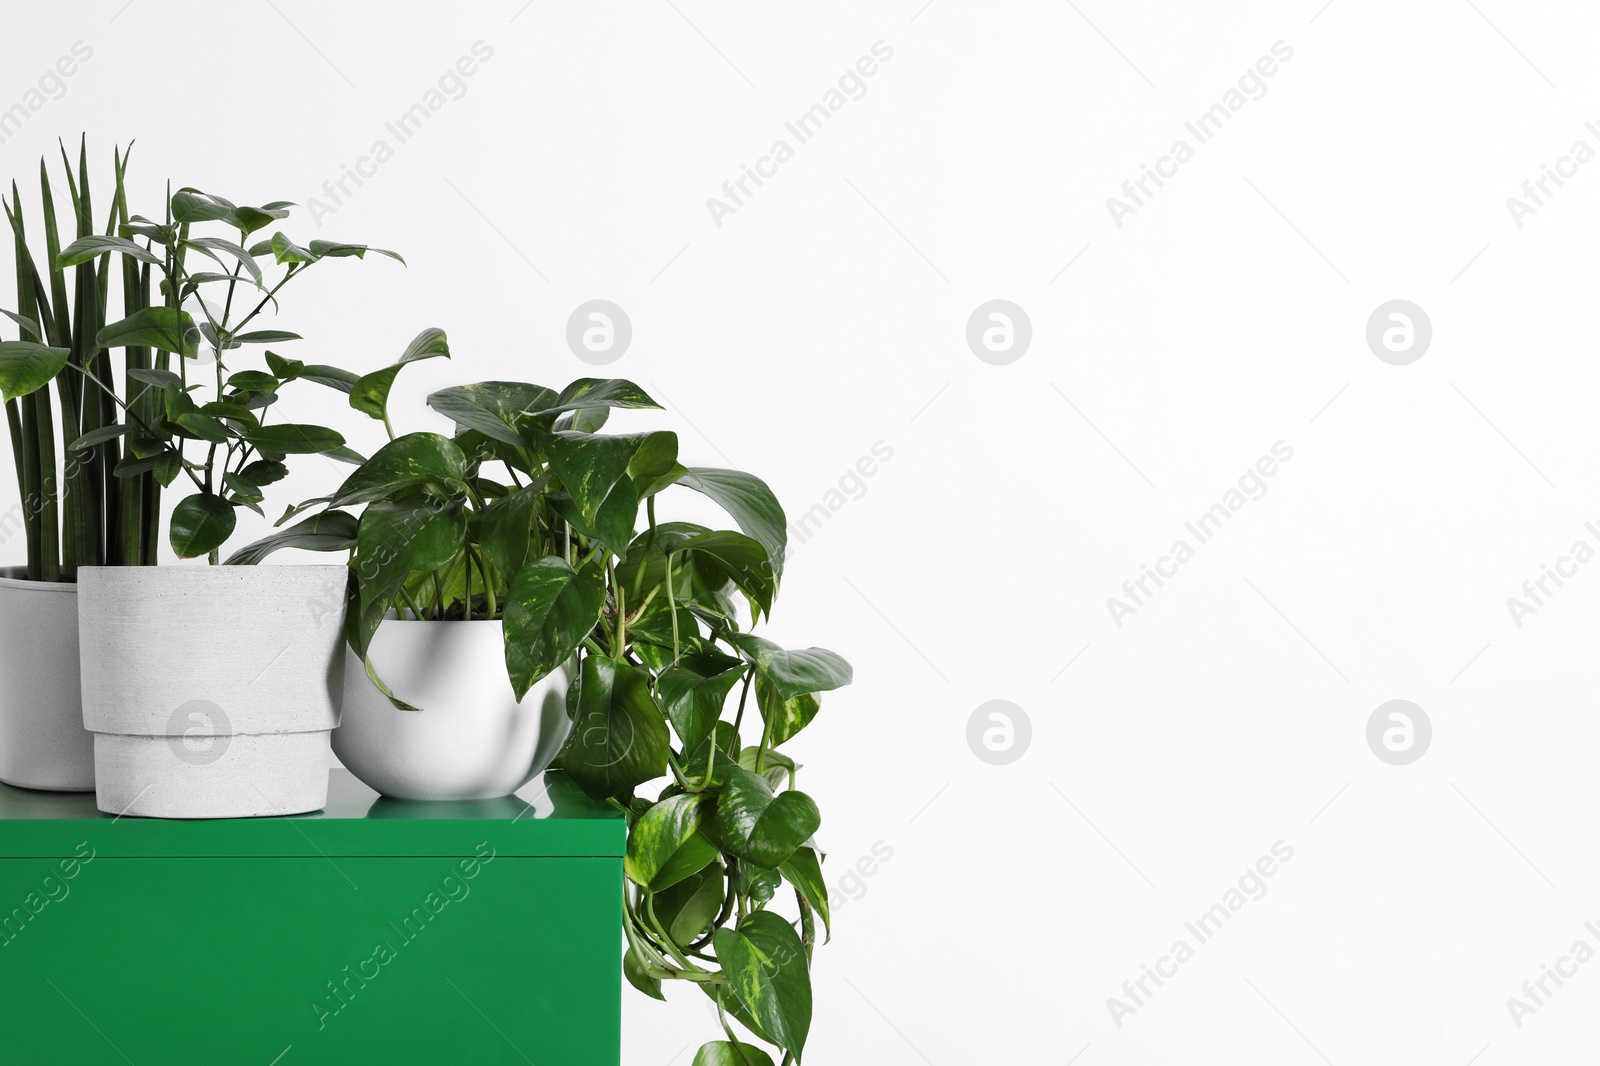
530	515
185	419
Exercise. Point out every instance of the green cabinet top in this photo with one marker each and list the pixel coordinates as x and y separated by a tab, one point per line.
549	817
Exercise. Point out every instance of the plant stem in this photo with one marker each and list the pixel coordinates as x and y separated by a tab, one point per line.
738	719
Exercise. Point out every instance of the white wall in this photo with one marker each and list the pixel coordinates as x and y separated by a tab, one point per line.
828	313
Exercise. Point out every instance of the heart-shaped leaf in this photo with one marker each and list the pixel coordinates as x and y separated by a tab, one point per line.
404	464
665	845
724	1053
792	673
769	974
619	739
497	409
737	558
694	691
589	464
548	612
755	824
752	505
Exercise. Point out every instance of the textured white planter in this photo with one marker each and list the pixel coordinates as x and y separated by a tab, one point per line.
211	690
471	740
42	740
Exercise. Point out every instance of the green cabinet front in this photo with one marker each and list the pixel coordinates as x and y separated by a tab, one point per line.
479	956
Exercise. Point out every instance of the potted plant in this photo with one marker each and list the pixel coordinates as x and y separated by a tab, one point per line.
523	557
210	690
71	512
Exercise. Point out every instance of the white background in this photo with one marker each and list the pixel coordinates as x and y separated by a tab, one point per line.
829	313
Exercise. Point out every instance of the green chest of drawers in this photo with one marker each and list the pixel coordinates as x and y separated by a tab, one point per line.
374	931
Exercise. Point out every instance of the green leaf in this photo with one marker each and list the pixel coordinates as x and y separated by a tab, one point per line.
613	525
192	205
768	973
252	381
87	248
619	739
96	436
330	531
27	367
415	534
633	968
751	504
803	870
589	464
161	379
655	457
694	692
764	828
250	219
549	610
709	770
598	392
332	377
653	485
428	344
665	845
200	523
405	463
792	673
334	250
264	472
370	393
724	1053
739	559
243	489
784	717
756	882
504	528
584	419
203	426
266	336
286	251
27	325
688	908
497	409
776	767
213	245
290	438
163	328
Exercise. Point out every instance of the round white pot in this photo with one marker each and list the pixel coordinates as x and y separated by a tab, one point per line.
471	740
211	690
42	740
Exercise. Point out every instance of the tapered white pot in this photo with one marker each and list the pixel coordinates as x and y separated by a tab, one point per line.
471	739
211	690
42	740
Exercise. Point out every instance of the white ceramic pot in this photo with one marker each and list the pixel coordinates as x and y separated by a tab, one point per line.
42	740
211	690
471	739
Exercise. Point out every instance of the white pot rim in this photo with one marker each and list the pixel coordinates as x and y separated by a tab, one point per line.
391	620
194	569
13	577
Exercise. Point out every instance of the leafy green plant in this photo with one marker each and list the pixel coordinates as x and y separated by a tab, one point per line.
173	406
564	546
85	516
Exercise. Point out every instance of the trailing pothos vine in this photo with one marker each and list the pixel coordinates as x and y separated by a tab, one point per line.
530	515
